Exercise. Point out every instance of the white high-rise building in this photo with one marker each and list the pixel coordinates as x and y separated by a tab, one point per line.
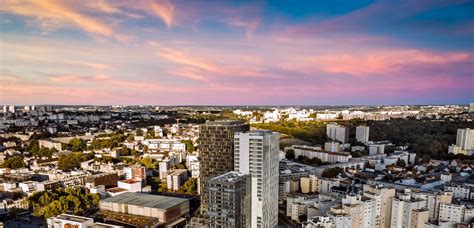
11	109
403	208
465	139
383	204
337	132
362	134
256	153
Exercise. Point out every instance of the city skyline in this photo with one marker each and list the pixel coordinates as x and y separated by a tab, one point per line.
236	53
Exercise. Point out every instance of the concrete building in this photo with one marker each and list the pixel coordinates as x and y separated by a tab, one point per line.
460	192
433	201
256	154
176	178
69	221
130	185
464	142
337	132
332	146
106	179
135	172
453	213
216	144
403	207
376	149
309	184
166	209
362	134
229	201
383	203
419	217
50	144
324	156
324	185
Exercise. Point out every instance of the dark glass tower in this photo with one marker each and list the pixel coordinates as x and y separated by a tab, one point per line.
216	157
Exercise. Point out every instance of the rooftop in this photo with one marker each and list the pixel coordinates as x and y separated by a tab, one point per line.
229	177
225	122
129	181
145	200
73	218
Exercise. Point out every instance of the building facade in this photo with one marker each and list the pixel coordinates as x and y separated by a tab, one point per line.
216	143
229	200
256	153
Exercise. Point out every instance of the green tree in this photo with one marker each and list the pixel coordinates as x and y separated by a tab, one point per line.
189	187
332	172
44	152
401	163
163	187
71	161
290	154
14	162
74	200
189	145
33	147
148	163
76	145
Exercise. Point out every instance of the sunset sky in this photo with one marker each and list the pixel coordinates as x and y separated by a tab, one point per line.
236	53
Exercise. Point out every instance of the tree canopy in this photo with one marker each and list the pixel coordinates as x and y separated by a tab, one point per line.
58	201
14	162
71	161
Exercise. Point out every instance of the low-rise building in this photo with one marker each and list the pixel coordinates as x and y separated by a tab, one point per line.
176	178
165	208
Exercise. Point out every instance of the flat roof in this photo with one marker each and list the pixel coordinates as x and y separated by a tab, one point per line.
146	200
73	218
225	122
229	177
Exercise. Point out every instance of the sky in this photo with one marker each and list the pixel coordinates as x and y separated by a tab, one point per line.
216	52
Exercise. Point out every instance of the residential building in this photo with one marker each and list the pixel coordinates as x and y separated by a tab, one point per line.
337	132
362	134
403	207
216	144
309	184
176	178
256	154
383	203
106	179
69	221
135	172
229	201
324	156
464	142
130	185
324	185
419	217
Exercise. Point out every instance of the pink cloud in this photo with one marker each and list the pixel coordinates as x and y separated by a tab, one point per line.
383	62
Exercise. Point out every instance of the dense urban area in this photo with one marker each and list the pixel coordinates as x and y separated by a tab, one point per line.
248	166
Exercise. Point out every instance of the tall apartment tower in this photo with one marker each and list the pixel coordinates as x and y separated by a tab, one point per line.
216	143
337	132
256	153
362	134
229	201
465	139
